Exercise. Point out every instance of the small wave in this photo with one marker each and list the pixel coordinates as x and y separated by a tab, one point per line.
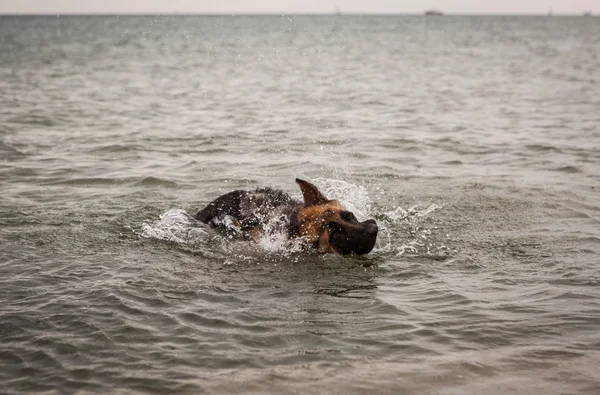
91	181
33	119
117	148
568	169
96	181
154	182
276	131
453	162
10	152
543	148
209	151
333	142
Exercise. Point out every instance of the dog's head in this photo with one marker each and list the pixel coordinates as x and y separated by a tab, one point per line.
330	227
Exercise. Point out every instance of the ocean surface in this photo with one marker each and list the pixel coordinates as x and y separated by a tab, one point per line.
473	141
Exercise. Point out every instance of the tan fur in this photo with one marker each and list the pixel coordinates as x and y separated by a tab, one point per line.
323	245
312	221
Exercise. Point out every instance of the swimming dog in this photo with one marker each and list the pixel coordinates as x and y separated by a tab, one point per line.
322	224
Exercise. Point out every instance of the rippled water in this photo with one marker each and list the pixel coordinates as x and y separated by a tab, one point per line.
474	142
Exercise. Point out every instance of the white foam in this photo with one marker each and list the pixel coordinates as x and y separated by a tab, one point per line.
175	225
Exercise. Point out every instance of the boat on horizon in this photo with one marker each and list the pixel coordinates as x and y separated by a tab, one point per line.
434	13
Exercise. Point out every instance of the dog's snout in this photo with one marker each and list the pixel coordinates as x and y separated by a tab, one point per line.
371	228
364	243
358	238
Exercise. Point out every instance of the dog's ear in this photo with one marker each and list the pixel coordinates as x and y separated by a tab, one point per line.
312	196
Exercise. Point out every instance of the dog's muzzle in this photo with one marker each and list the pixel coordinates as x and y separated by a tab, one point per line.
357	238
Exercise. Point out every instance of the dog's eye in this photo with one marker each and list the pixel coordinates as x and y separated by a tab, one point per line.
347	216
333	228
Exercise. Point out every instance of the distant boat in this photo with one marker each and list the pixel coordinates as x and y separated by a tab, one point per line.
434	13
587	13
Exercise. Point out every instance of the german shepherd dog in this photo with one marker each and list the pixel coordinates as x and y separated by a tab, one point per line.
320	223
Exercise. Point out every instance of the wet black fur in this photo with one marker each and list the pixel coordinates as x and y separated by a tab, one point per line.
251	210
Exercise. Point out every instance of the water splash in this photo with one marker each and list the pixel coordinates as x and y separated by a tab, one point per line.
409	223
401	231
354	197
394	225
177	226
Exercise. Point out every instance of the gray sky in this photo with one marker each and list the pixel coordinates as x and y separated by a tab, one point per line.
297	6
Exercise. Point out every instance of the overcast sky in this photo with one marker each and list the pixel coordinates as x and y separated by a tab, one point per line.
296	6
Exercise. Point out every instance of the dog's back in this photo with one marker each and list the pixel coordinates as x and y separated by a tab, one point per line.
250	211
